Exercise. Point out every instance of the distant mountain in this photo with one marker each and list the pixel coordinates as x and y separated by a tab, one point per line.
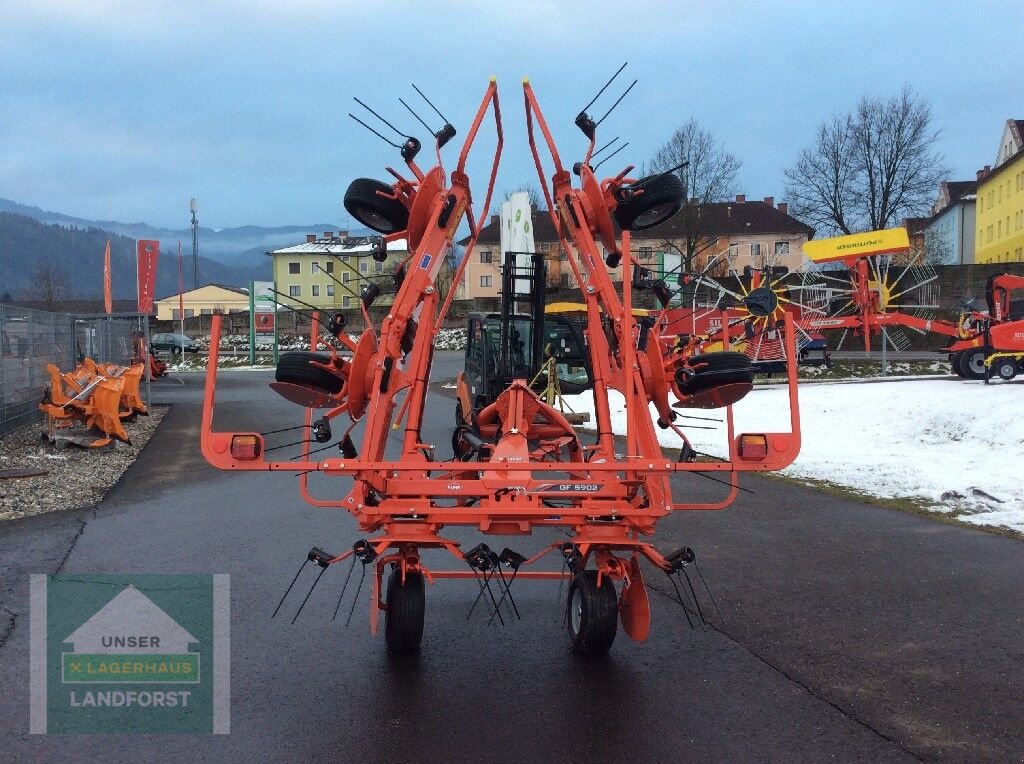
231	246
26	244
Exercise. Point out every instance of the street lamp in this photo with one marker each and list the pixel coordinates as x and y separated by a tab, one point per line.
193	206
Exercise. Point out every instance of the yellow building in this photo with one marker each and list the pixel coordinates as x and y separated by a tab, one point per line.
203	301
330	271
1000	207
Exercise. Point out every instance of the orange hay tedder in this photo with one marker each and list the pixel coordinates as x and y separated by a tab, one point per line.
519	464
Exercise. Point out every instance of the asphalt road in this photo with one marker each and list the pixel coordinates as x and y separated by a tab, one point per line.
852	632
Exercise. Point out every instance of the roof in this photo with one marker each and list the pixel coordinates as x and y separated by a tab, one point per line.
357	246
717	219
237	290
916	226
959	188
727	218
1010	161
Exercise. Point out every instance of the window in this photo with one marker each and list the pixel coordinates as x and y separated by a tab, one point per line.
485	281
346	302
330	266
316	267
330	290
485	256
295	291
344	258
378	267
364	267
293	268
189	313
562	255
206	311
346	276
782	248
645	253
316	289
542	247
755	250
564	278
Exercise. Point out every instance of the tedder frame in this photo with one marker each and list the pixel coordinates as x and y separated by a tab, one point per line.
522	465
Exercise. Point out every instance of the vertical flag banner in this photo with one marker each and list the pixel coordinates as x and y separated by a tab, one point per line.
147	253
108	299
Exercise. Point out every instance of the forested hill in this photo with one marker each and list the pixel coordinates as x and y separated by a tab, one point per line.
27	245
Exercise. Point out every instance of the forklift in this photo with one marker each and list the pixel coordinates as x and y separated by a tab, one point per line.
521	342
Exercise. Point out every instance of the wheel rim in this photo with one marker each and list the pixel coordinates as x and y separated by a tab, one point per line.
976	363
373	219
654	215
576	611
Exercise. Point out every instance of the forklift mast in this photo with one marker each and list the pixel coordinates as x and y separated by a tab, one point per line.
522	293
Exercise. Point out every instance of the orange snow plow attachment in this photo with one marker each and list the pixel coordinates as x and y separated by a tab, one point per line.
88	397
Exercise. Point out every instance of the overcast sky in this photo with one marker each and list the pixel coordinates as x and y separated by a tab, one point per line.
124	110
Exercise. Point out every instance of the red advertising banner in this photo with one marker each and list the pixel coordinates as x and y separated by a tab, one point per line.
147	251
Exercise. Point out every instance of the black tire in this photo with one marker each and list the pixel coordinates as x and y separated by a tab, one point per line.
1005	368
377	212
592	613
724	368
954	362
295	368
972	363
403	619
663	196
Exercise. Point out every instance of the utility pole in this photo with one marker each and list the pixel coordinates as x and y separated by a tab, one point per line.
194	207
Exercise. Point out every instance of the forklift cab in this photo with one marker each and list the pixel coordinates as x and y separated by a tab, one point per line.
494	361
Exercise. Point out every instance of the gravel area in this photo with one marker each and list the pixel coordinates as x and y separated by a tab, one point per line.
78	477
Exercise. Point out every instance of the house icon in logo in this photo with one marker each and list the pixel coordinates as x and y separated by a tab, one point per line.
131	623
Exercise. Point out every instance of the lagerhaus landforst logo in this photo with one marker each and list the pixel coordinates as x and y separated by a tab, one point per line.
130	653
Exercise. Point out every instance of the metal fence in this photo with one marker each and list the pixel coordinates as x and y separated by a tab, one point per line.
31	339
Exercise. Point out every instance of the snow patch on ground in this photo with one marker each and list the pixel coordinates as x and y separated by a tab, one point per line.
952	444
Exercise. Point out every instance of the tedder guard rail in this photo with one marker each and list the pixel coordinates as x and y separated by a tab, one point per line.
522	464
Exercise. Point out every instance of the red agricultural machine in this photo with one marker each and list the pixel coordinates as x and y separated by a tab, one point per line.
992	342
869	285
518	464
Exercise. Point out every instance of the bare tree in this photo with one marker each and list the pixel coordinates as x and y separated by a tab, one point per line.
709	175
51	286
868	169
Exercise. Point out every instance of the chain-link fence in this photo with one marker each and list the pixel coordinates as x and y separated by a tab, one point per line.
31	339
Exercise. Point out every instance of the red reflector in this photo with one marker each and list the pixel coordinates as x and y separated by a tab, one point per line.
753	447
245	446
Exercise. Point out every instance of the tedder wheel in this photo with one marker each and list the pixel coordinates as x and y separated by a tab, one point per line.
1005	368
593	613
972	363
403	620
372	210
295	368
663	196
460	419
720	368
